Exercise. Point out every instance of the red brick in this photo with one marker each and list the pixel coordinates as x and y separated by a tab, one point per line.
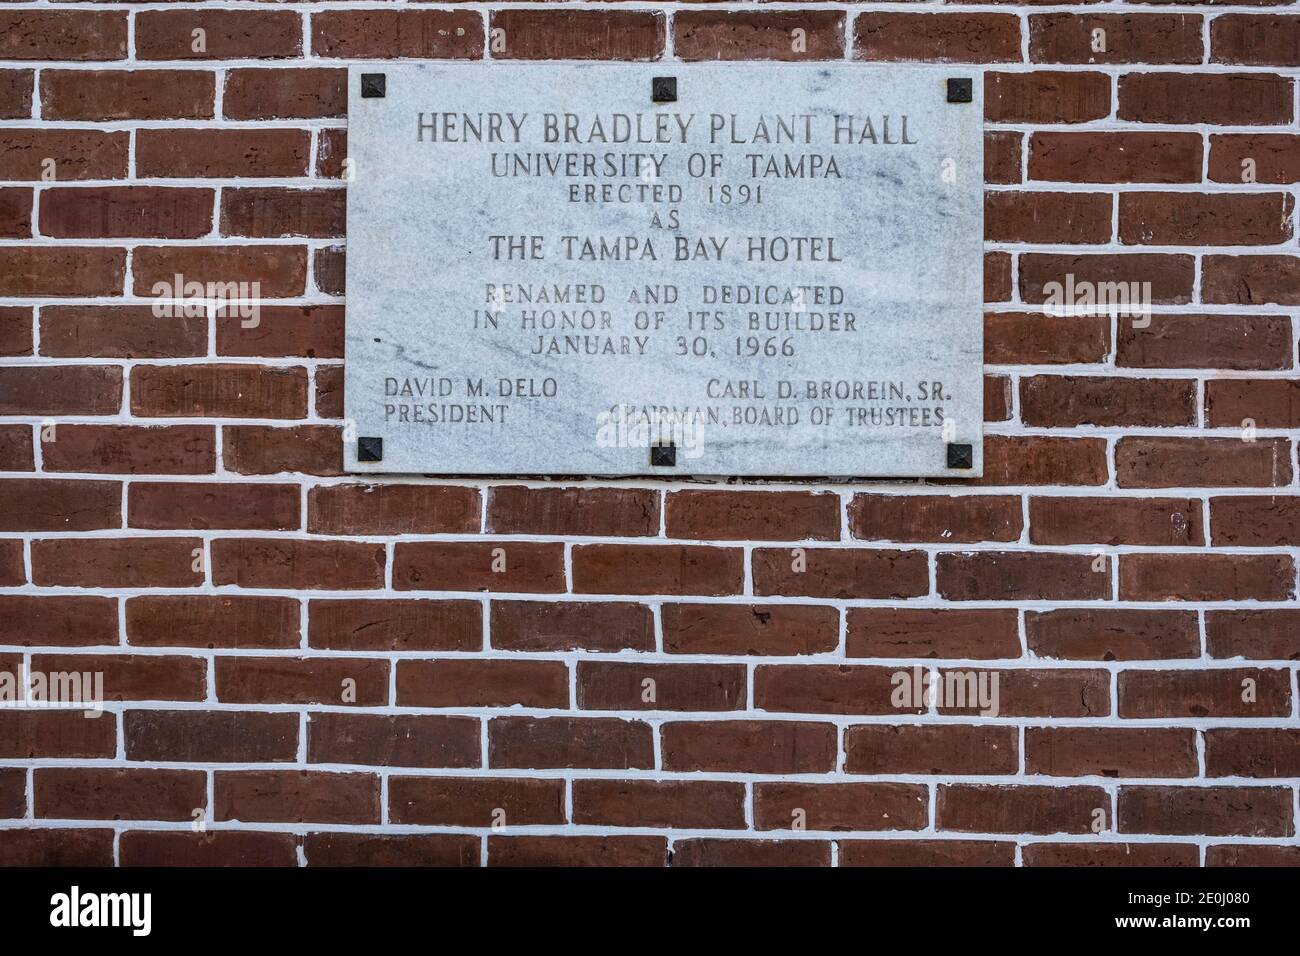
1170	276
15	331
13	792
828	689
16	214
226	34
130	449
58	620
1205	693
12	572
749	746
711	851
379	849
402	740
211	848
1163	522
120	331
746	35
1111	854
1252	752
202	506
76	154
106	95
57	847
1255	40
309	331
585	625
278	270
551	851
1018	809
1208	219
980	633
747	515
223	391
1042	460
60	390
1275	157
840	572
997	276
328	267
296	796
656	569
35	504
1202	462
624	512
134	676
122	563
37	734
476	802
938	38
667	804
840	806
1251	280
1115	157
1002	154
1206	577
781	629
1130	38
274	212
1238	99
578	34
1263	403
16	93
1108	634
395	625
909	853
594	743
29	34
332	153
1213	811
62	271
392	509
1255	521
1022	576
397	34
1252	854
270	563
1257	635
940	518
302	680
189	736
524	566
626	685
268	450
16	452
255	94
1036	692
920	749
1045	217
1046	96
211	621
482	683
106	793
199	153
1239	342
1111	751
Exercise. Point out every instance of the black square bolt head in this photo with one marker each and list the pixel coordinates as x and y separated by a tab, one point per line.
373	85
960	456
370	449
663	456
960	89
663	89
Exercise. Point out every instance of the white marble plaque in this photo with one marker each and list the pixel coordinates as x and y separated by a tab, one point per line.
777	274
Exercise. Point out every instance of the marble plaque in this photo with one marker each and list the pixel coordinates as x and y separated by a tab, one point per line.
665	269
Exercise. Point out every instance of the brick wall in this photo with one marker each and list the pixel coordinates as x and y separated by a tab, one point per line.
173	512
